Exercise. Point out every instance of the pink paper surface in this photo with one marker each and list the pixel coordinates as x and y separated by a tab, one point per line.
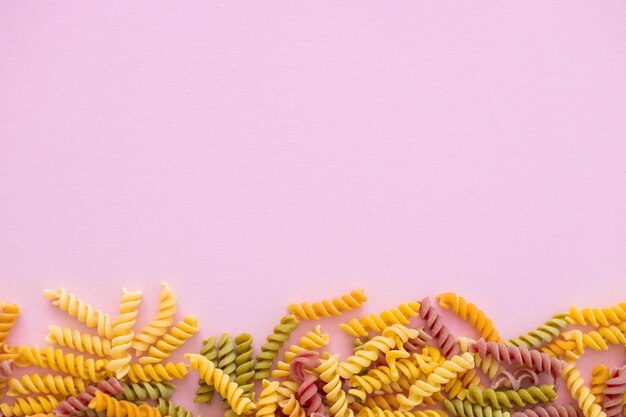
253	154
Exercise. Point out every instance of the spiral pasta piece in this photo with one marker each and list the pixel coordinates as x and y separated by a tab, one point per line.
55	359
268	399
460	408
564	348
121	408
157	327
456	388
510	398
312	340
576	385
377	322
612	403
516	355
557	410
328	308
597	317
435	381
244	371
379	412
442	337
542	334
168	408
204	393
470	313
377	378
216	377
488	365
82	311
172	340
393	336
286	389
142	391
291	407
8	317
335	396
599	376
157	372
308	392
82	342
275	341
78	404
29	405
45	384
123	333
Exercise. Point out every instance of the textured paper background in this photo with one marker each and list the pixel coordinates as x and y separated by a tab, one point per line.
252	154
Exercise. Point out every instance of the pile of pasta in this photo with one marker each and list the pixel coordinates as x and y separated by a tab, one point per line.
405	363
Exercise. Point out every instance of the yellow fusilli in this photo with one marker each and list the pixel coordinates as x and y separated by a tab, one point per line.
172	340
157	327
328	308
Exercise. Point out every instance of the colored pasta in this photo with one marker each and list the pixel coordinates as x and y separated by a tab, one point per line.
328	308
472	314
275	341
147	336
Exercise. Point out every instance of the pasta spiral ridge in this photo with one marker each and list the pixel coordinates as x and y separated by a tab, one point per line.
516	355
597	317
45	384
123	333
8	317
308	393
244	372
172	340
55	359
614	392
204	393
78	404
168	408
313	339
460	408
157	372
556	410
121	408
275	341
335	395
226	388
488	365
542	334
82	342
268	399
377	322
434	326
157	327
599	376
328	308
142	391
29	405
470	313
82	311
379	412
576	385
395	335
510	398
291	407
434	382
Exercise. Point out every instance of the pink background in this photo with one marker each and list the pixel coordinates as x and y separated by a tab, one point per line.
253	153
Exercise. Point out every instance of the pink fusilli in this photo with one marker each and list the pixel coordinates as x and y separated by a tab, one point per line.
614	392
434	326
515	355
308	393
557	410
77	405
